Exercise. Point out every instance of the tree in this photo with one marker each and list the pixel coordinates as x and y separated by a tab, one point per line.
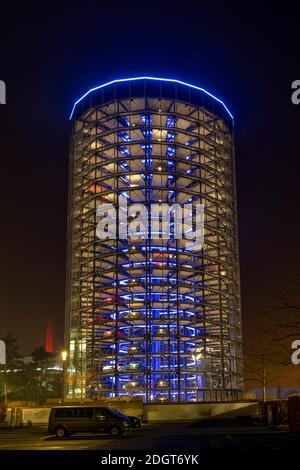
268	355
12	351
13	363
262	356
285	311
34	381
41	362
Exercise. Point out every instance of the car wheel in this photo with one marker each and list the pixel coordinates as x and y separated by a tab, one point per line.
115	431
61	432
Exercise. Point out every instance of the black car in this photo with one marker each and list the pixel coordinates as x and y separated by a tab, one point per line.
67	420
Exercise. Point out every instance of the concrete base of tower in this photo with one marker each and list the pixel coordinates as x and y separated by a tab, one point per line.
200	411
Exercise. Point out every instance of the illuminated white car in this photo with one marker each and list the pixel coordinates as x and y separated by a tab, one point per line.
135	366
133	316
161	332
111	368
162	383
133	349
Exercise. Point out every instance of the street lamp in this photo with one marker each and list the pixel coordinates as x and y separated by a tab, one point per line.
64	356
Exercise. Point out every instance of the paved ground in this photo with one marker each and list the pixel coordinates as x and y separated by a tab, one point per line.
194	437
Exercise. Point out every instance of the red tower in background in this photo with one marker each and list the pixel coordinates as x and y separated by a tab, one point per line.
49	338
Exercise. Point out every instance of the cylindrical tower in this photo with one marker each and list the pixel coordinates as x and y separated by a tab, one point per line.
147	315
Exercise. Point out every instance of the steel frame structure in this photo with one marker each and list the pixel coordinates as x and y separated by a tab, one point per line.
148	317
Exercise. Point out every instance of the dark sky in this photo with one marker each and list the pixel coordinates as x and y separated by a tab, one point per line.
50	55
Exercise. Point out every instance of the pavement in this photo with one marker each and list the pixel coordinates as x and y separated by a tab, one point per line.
187	436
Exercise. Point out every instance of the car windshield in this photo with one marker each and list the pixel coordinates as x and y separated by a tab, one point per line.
117	412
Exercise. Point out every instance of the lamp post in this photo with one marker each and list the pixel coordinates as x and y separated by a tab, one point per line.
64	355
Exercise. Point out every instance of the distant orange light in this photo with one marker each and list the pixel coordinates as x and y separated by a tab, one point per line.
95	189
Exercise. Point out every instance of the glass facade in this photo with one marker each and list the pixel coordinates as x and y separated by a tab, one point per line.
148	316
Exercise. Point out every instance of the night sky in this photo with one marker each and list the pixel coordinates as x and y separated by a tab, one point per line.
51	55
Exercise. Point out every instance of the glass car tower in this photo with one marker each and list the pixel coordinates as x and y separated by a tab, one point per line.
149	317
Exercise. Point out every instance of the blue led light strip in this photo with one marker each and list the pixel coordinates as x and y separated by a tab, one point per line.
171	80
